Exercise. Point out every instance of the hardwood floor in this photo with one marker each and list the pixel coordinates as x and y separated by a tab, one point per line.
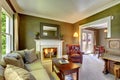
91	69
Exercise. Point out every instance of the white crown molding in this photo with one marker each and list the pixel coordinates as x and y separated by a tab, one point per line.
19	10
6	7
115	2
42	16
16	6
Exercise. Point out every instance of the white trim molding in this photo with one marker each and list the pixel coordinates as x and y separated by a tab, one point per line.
100	21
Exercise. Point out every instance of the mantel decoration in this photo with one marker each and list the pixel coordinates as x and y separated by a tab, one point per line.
37	35
61	36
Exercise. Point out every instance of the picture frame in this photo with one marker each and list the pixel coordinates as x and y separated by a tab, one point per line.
49	31
114	44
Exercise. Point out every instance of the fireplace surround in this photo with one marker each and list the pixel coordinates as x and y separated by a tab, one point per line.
46	46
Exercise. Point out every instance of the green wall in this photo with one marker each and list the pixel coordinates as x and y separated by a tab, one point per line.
115	25
29	25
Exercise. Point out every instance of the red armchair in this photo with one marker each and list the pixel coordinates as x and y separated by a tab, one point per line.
74	53
99	49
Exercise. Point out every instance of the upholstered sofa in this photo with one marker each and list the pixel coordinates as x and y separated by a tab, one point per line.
15	67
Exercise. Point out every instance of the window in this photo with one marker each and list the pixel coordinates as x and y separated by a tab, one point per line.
7	32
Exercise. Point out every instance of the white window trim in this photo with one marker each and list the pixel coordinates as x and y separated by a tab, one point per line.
9	32
0	35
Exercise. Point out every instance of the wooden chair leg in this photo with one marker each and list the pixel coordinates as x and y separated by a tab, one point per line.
116	73
99	54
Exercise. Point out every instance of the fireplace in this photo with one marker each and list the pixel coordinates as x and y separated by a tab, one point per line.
49	49
49	53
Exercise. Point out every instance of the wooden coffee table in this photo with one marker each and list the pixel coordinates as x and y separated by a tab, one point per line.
64	69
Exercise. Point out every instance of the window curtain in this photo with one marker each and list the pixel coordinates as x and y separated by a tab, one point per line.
0	34
16	32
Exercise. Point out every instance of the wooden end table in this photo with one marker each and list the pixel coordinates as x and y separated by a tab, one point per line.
65	69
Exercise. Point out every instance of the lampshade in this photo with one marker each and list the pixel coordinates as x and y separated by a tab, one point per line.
105	30
75	34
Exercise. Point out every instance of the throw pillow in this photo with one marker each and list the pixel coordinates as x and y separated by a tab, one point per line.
15	73
14	59
1	73
30	56
21	52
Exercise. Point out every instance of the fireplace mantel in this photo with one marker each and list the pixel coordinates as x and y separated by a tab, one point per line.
48	43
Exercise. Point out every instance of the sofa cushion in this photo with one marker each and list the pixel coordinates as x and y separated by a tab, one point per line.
55	76
34	66
21	52
14	59
2	62
30	56
40	74
16	73
1	73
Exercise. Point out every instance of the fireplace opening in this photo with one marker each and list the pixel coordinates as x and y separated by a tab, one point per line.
49	53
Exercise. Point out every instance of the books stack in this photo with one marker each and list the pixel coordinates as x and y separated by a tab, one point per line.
69	77
63	61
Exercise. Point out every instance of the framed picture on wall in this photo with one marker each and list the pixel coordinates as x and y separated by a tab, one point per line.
49	31
114	44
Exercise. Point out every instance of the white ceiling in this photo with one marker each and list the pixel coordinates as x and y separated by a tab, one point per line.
62	10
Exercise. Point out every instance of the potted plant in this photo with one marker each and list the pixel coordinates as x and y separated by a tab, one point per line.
37	35
61	36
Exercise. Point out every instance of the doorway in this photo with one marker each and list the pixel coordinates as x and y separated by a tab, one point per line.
91	34
87	41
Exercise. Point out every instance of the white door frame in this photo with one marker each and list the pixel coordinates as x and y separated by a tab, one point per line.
103	20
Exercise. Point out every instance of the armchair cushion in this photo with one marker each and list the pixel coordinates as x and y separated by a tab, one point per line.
75	55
